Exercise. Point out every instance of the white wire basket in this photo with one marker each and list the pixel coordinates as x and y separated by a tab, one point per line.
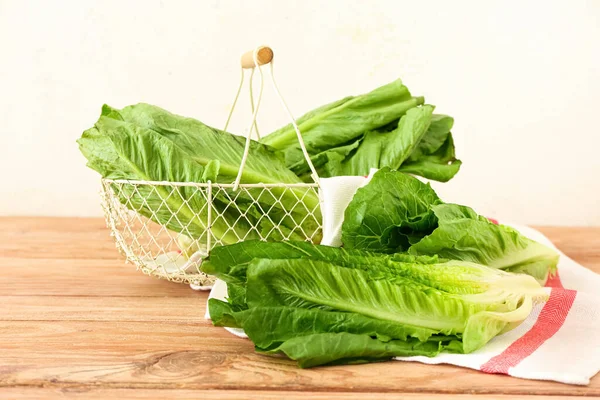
166	229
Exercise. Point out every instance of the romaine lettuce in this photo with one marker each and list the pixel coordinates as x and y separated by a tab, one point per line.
342	121
384	128
396	212
145	142
363	306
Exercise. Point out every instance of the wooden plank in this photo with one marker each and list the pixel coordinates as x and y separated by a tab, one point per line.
56	225
111	337
90	392
580	243
224	370
77	251
84	308
48	237
170	355
82	277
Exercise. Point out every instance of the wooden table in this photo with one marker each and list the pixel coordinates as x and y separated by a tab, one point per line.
77	322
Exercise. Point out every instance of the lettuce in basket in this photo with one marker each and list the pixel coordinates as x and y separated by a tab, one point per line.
386	127
144	142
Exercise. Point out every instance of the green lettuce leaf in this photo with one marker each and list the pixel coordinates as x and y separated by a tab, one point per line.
230	263
440	165
348	348
397	212
389	149
144	142
120	150
284	295
493	300
199	142
421	144
463	235
436	135
222	313
325	162
203	143
341	122
268	327
389	214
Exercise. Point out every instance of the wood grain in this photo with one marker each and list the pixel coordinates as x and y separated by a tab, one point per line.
79	392
85	277
46	237
199	356
77	322
581	244
104	308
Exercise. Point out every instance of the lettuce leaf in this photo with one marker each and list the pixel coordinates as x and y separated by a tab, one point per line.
434	158
230	263
341	122
387	149
272	325
463	235
437	134
403	147
120	150
494	296
347	348
364	306
383	128
397	212
145	142
389	214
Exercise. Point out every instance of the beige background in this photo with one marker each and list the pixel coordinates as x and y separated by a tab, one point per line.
522	80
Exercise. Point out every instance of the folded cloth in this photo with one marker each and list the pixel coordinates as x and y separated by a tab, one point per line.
558	341
335	195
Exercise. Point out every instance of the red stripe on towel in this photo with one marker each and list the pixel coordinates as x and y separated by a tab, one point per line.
554	281
550	320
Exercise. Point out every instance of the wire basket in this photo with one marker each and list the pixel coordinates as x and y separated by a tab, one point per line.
166	229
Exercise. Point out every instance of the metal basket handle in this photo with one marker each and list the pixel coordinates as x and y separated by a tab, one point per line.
252	60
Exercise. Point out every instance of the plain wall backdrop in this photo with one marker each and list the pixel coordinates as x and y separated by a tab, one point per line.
521	79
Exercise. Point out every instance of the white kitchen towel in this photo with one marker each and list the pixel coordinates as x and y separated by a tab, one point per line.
559	340
335	195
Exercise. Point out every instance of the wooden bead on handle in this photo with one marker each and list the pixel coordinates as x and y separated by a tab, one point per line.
264	56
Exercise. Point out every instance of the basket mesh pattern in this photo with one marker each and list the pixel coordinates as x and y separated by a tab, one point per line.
166	229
